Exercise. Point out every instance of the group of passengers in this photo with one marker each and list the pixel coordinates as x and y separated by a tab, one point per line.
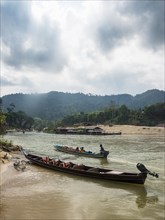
60	163
80	150
102	150
57	162
69	148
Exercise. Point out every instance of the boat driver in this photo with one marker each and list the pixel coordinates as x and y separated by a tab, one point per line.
101	149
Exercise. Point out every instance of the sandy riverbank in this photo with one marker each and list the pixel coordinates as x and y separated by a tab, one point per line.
4	168
135	130
6	165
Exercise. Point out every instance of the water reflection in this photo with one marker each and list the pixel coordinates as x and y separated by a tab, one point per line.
104	161
138	191
142	200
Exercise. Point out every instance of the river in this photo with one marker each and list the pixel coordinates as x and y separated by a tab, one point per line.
38	193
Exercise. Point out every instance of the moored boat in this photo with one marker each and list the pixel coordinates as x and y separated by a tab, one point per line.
91	172
81	152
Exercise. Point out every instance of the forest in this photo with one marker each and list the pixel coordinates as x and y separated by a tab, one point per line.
152	115
50	110
55	105
15	120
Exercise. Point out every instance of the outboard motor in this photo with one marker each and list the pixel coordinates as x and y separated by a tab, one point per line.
143	169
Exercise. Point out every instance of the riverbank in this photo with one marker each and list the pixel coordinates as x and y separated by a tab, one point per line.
6	164
4	168
133	130
111	130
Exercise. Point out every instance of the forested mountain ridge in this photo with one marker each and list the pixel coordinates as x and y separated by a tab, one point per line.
55	105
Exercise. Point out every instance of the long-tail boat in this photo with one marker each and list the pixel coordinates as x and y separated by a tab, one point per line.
91	172
80	152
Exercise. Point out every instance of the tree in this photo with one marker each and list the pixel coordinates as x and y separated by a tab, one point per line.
123	116
2	123
18	119
11	108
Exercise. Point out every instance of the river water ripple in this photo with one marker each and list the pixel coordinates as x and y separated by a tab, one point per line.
39	193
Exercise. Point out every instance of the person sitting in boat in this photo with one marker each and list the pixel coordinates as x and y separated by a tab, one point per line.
58	162
67	165
61	164
77	148
46	159
82	149
53	162
101	149
64	165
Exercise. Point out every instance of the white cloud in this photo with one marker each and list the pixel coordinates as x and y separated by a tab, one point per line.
82	46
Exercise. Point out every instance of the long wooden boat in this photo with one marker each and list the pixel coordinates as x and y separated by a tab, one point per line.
71	150
91	172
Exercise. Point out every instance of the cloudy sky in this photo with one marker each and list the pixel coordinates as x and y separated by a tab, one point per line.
97	47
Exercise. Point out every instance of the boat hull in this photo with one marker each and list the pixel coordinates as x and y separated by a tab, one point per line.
104	174
78	153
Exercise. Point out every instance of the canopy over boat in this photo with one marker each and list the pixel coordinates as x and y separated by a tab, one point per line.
91	172
81	151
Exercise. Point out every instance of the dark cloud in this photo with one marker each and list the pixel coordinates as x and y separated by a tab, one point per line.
110	36
30	44
145	19
14	17
12	81
149	18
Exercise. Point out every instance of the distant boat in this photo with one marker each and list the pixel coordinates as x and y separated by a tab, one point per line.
71	150
91	172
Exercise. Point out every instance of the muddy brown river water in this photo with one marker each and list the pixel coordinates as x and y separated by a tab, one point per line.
38	193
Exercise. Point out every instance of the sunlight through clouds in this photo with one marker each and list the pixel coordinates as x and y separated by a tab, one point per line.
101	47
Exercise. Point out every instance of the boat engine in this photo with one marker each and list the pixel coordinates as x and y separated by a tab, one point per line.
106	153
143	169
